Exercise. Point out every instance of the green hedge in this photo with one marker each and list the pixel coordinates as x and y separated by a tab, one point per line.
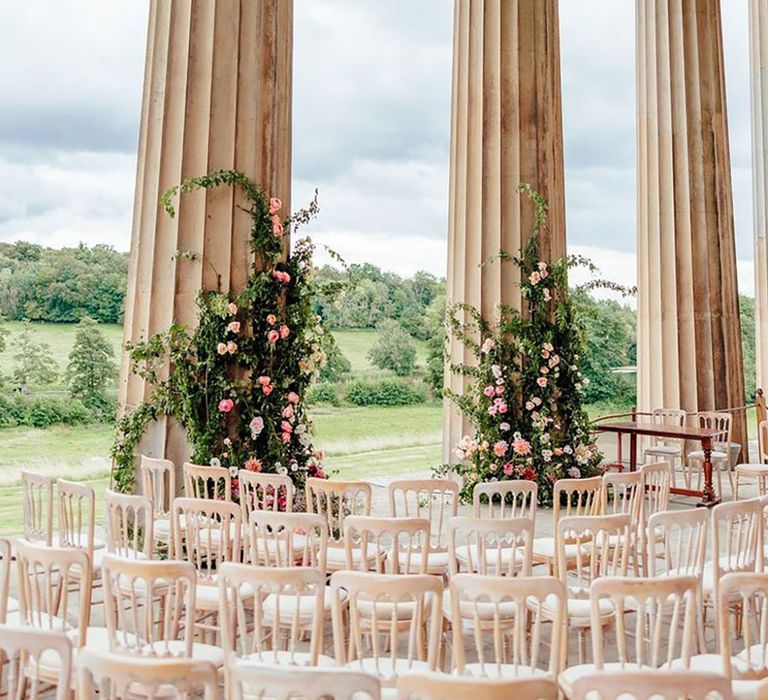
385	392
323	392
44	411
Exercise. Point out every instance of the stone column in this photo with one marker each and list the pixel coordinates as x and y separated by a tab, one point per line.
758	43
689	333
217	94
506	128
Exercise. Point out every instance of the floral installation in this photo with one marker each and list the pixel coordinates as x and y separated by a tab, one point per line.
236	383
525	397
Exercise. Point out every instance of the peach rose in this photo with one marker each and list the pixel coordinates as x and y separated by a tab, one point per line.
293	397
231	347
264	380
271	320
253	465
232	308
221	348
234	327
284	331
274	205
267	389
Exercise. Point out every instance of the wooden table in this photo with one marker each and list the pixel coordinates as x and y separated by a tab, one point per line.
705	436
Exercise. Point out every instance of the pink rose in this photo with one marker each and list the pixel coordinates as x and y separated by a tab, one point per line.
274	205
489	391
535	278
231	347
293	397
286	427
521	446
271	320
509	469
288	412
226	405
272	336
286	438
542	381
542	266
277	230
267	389
221	348
284	331
501	407
286	278
264	380
500	448
544	274
529	405
234	327
544	370
256	425
500	389
492	410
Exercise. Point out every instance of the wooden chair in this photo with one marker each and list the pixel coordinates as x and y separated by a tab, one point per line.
600	547
505	499
107	675
129	521
747	472
623	493
334	501
762	441
269	613
207	533
668	449
259	491
279	539
721	452
444	687
497	546
570	497
158	483
249	680
498	626
37	503
25	653
657	482
398	642
205	481
8	605
436	500
655	622
641	685
150	610
386	545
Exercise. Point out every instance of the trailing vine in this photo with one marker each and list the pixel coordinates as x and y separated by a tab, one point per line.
236	382
524	398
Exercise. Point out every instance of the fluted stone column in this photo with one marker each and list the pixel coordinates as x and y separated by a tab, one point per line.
506	128
758	43
217	94
689	334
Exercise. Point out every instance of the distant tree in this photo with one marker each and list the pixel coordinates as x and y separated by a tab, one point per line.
336	365
91	365
434	321
393	350
33	361
747	314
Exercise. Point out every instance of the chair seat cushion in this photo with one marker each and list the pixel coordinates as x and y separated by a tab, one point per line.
485	610
716	455
665	450
437	562
288	603
336	557
207	595
502	558
544	547
386	668
570	675
492	670
283	659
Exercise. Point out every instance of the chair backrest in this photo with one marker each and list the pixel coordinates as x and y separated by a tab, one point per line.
405	609
107	675
37	493
205	481
54	587
259	491
207	533
641	685
672	417
516	498
158	483
267	613
677	542
490	546
444	687
252	680
591	546
22	650
655	621
5	576
487	609
280	539
128	520
750	632
735	537
762	441
657	481
719	421
77	515
436	500
149	607
386	545
572	497
335	500
623	493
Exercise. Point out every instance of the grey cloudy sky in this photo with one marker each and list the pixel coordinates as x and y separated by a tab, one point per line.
371	119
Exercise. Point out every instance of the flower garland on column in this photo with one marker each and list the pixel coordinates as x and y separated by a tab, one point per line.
525	397
236	383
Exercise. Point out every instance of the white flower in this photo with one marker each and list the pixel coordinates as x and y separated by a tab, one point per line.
282	471
215	462
233	471
488	345
228	442
567	449
546	455
496	371
574	472
504	427
545	438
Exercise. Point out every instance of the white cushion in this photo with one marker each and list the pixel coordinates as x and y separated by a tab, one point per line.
178	648
288	604
387	669
745	690
286	659
469	555
207	595
665	450
492	670
580	609
485	610
336	558
437	562
545	547
571	674
716	455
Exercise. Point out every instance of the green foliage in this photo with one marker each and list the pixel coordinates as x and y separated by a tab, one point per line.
436	342
91	365
393	350
385	392
525	396
336	364
237	383
323	392
42	412
33	361
62	285
747	314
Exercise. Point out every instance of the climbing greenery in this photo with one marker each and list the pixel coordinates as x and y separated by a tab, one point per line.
237	382
525	398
